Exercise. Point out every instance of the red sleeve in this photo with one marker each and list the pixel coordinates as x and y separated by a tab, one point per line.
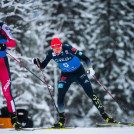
11	43
6	32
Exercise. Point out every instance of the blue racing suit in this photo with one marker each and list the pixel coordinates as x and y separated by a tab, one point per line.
72	71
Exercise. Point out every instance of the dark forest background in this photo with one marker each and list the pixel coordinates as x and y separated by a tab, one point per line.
102	29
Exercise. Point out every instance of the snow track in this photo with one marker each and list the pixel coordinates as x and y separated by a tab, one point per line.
93	130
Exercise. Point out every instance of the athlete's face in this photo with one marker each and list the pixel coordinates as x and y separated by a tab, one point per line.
57	50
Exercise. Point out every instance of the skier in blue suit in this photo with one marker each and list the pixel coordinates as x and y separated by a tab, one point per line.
68	59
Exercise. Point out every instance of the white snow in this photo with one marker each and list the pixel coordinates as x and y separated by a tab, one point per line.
81	24
102	130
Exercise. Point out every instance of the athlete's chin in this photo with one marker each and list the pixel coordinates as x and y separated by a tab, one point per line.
57	53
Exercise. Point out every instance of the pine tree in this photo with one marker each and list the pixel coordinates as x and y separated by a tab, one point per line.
101	29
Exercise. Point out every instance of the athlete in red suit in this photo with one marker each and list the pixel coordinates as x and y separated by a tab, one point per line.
6	40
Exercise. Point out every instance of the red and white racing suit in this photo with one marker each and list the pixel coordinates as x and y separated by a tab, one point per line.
5	78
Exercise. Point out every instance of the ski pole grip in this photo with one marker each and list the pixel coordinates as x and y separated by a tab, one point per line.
38	63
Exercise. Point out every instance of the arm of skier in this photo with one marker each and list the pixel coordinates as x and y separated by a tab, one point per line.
80	55
6	31
45	62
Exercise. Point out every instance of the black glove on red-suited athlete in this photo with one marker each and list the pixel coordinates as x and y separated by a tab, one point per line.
2	46
36	61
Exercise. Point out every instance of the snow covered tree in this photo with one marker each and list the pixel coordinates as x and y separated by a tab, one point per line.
102	29
110	46
27	91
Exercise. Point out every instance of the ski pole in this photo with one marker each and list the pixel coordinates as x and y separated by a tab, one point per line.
25	67
105	89
36	77
47	87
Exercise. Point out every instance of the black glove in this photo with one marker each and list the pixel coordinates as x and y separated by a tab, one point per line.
2	46
36	61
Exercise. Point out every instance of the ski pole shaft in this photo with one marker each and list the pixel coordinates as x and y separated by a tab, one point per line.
105	89
25	67
47	87
36	77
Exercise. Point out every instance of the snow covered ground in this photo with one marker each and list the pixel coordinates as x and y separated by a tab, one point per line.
102	130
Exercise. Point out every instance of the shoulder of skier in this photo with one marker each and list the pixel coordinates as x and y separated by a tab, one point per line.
49	53
77	53
73	50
